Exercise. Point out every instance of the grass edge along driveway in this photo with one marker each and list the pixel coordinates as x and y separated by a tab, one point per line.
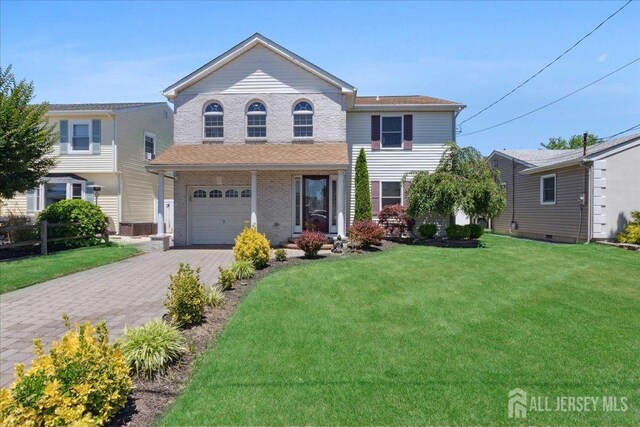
422	336
23	272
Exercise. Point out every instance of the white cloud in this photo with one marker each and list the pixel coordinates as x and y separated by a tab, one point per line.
603	57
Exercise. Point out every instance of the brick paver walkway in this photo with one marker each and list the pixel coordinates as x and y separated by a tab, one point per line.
128	292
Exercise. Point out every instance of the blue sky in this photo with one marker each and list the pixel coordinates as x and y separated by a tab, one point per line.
471	52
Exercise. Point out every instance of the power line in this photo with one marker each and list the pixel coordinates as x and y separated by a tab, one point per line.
553	102
619	133
546	66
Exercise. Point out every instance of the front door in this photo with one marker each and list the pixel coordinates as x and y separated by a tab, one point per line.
315	212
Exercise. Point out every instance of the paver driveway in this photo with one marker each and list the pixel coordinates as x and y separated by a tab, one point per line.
128	292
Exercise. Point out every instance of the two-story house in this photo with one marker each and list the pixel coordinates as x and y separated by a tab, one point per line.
264	137
102	153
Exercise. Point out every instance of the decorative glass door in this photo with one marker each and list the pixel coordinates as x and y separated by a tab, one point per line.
315	211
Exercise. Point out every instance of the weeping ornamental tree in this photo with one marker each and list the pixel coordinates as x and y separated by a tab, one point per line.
25	137
363	193
463	181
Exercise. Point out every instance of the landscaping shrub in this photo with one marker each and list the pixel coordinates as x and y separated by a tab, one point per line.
362	211
16	220
280	255
311	242
252	246
363	234
150	348
186	298
213	296
458	232
631	233
395	221
427	231
226	279
82	381
475	231
91	219
243	269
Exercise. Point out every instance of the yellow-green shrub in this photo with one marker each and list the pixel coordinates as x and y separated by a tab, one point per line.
631	233
252	246
83	381
186	298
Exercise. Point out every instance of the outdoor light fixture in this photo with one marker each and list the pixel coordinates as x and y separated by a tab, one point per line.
96	192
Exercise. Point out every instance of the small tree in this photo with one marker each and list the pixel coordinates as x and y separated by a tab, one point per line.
362	192
25	137
464	181
576	141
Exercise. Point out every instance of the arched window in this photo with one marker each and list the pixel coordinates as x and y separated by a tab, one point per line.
231	193
199	194
303	120
245	193
213	121
256	120
216	194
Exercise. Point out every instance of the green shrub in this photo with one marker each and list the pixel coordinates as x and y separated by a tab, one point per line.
16	220
150	348
362	211
243	269
252	246
458	232
427	231
186	298
631	233
213	296
280	255
475	231
226	279
82	381
91	222
364	234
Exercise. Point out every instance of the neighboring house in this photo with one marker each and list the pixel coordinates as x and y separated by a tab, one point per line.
264	137
567	195
102	154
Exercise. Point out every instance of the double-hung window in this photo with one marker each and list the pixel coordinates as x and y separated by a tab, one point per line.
214	121
391	194
548	189
81	136
256	120
391	132
303	120
149	146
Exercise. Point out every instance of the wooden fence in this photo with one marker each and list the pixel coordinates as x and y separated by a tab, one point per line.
43	229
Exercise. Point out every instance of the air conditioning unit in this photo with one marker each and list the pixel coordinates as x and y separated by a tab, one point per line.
149	156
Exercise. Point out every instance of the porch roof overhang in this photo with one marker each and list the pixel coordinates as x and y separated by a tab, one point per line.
253	156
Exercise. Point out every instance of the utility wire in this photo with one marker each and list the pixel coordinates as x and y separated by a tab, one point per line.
619	133
554	102
546	66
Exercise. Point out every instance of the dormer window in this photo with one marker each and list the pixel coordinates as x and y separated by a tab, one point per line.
256	120
303	120
213	121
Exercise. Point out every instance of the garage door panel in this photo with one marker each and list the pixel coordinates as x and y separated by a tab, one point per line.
218	220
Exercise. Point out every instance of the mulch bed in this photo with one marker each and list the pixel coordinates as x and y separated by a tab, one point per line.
151	398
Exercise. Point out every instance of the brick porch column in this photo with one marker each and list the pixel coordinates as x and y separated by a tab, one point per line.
254	200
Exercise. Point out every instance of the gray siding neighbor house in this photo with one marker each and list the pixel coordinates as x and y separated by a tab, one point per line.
567	195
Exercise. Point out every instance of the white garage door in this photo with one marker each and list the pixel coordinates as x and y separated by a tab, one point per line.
218	214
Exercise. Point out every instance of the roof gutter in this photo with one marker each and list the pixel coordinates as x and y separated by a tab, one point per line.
245	167
412	107
553	166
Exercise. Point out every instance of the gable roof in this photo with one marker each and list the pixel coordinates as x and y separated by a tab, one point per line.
542	160
242	47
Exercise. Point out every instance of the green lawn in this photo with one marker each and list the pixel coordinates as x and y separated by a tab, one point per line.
29	271
420	335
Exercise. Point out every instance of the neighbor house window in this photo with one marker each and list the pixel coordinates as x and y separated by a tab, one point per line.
80	136
548	189
391	194
256	120
213	121
391	132
76	191
303	120
149	146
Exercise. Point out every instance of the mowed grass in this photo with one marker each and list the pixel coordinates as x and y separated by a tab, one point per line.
25	272
421	335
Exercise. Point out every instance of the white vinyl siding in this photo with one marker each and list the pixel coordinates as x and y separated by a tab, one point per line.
259	70
431	132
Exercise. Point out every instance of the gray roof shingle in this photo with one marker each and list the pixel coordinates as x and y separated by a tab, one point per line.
99	106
